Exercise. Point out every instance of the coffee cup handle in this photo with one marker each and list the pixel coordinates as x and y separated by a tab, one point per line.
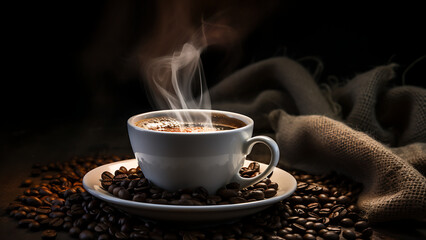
275	155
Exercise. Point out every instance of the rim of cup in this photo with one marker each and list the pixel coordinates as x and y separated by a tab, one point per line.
247	120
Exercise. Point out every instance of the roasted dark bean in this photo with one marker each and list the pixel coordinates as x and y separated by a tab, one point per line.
347	222
360	225
321	206
107	176
123	193
298	228
33	201
349	234
309	236
34	226
20	214
257	194
296	199
74	231
48	234
56	222
228	193
66	226
86	235
107	237
43	210
319	226
331	235
25	222
56	215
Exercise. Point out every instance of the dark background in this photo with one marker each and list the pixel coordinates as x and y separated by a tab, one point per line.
71	74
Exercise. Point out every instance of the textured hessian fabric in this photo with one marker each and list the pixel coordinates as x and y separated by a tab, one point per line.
366	129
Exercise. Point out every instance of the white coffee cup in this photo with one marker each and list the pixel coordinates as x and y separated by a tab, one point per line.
181	160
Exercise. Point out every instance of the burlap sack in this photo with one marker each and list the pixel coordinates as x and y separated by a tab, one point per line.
367	130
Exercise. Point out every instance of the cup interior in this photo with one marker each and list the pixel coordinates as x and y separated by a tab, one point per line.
197	117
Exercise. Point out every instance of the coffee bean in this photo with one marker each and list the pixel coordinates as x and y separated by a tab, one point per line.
237	200
331	235
123	170
34	226
228	193
67	225
261	185
300	206
321	232
119	178
302	185
328	205
334	229
343	199
348	234
86	235
139	197
298	228
45	191
107	237
74	231
360	225
347	222
324	211
123	193
125	183
43	210
335	216
121	235
41	217
56	222
270	192
313	205
323	198
116	190
26	183
290	236
48	234
56	215
58	202
308	236
309	225
319	226
106	183
33	201
325	220
77	211
101	227
25	222
19	214
301	221
107	175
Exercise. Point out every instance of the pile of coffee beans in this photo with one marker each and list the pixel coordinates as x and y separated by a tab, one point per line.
130	184
54	200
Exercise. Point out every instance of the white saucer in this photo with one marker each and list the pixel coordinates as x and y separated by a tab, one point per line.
211	213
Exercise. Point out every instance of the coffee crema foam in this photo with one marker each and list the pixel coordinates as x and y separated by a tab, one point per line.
169	124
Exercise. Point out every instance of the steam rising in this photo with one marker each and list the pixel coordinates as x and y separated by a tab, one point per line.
174	79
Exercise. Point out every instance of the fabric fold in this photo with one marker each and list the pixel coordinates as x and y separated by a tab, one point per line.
378	139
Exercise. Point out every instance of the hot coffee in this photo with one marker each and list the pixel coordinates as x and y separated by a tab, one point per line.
169	124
